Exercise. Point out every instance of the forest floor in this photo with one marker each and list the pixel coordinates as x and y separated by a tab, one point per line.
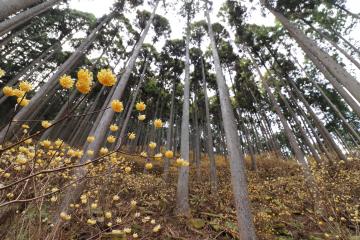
281	204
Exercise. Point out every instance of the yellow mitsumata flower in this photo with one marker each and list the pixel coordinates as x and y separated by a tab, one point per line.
8	91
106	77
45	124
131	136
22	101
152	145
148	166
18	93
2	73
84	82
66	81
117	106
25	86
111	139
169	154
140	106
158	123
141	117
90	139
104	151
114	127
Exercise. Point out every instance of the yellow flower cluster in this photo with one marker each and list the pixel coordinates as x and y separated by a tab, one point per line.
114	127
2	73
140	106
182	163
24	87
90	139
111	139
106	77
117	106
152	145
66	81
141	117
169	154
85	81
131	136
45	124
158	123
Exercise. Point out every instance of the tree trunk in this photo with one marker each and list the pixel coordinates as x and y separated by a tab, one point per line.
237	165
351	84
318	122
209	136
21	18
332	105
170	132
302	131
11	7
182	194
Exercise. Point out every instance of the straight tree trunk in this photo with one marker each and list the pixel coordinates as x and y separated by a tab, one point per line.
10	7
182	193
332	105
209	136
237	165
314	153
351	84
170	132
21	18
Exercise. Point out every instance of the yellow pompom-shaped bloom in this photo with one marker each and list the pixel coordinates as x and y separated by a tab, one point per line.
128	169
108	215
179	162
46	143
158	156
104	151
90	139
148	166
25	86
106	77
22	101
66	82
111	139
117	106
143	154
131	136
141	117
140	106
185	164
45	124
65	216
84	88
169	154
84	82
152	145
91	221
2	73
18	93
8	91
158	123
84	76
114	127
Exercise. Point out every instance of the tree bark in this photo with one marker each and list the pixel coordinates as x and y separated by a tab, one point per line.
209	136
182	193
237	165
351	84
21	18
11	7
